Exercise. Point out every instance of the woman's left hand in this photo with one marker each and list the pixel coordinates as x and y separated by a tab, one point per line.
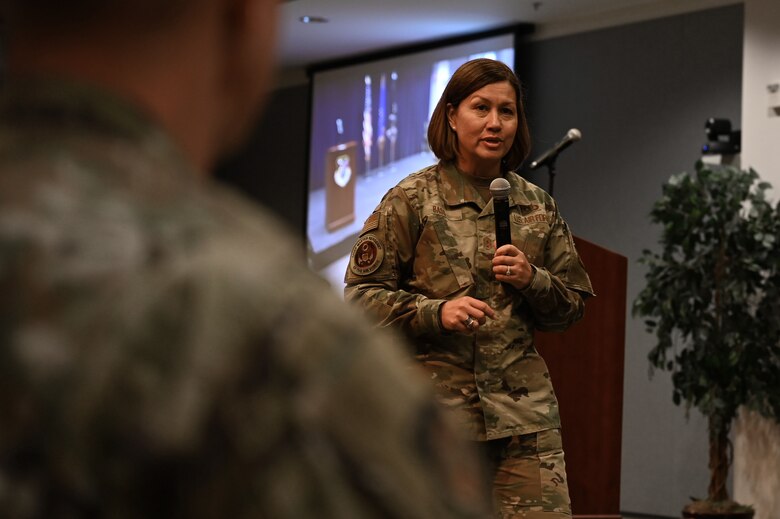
510	265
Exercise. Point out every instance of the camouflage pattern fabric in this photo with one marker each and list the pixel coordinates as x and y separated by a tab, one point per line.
432	239
165	352
530	476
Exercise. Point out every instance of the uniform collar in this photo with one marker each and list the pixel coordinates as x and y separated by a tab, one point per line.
456	190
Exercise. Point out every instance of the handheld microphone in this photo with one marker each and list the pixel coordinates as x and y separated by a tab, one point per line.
548	156
499	189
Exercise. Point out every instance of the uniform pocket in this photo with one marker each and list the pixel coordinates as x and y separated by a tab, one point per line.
531	479
517	485
440	268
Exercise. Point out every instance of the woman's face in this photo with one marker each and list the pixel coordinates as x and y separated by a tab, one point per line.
485	123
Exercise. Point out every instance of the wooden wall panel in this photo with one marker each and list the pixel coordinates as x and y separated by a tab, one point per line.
586	365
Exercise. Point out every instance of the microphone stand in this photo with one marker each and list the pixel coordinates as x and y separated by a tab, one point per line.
549	157
551	174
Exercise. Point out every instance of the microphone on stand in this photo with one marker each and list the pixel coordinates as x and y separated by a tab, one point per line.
499	189
550	155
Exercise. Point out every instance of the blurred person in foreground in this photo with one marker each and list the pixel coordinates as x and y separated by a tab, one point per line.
426	263
163	351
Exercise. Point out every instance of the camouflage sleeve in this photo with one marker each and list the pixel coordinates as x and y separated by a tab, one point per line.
381	261
559	286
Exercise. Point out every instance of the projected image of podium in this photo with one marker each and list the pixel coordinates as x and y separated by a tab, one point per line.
586	366
340	179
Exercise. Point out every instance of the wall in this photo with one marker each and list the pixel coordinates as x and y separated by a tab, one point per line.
271	166
640	94
757	464
760	126
757	440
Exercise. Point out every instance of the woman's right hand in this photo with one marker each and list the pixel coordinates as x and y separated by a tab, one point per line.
465	314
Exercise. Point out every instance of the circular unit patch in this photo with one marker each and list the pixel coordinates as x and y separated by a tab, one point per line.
367	255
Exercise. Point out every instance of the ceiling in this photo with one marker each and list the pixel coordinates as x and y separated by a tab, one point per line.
358	27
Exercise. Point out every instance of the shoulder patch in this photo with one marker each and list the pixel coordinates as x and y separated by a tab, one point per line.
367	255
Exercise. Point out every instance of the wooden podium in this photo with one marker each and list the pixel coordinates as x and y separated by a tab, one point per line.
340	179
586	366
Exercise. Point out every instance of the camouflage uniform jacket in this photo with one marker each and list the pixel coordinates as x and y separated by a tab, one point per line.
431	239
165	353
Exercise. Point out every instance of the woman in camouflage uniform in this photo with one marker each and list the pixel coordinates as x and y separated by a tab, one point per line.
426	263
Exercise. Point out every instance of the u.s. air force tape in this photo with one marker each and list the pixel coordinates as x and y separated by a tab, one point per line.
367	255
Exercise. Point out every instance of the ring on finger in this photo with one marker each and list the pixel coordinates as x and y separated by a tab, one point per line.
469	322
508	270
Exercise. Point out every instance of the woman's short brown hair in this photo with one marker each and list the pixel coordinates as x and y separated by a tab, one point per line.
470	77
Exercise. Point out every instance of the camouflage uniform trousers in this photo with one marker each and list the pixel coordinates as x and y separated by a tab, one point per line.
529	476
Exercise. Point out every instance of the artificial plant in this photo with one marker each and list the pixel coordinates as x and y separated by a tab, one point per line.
712	299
